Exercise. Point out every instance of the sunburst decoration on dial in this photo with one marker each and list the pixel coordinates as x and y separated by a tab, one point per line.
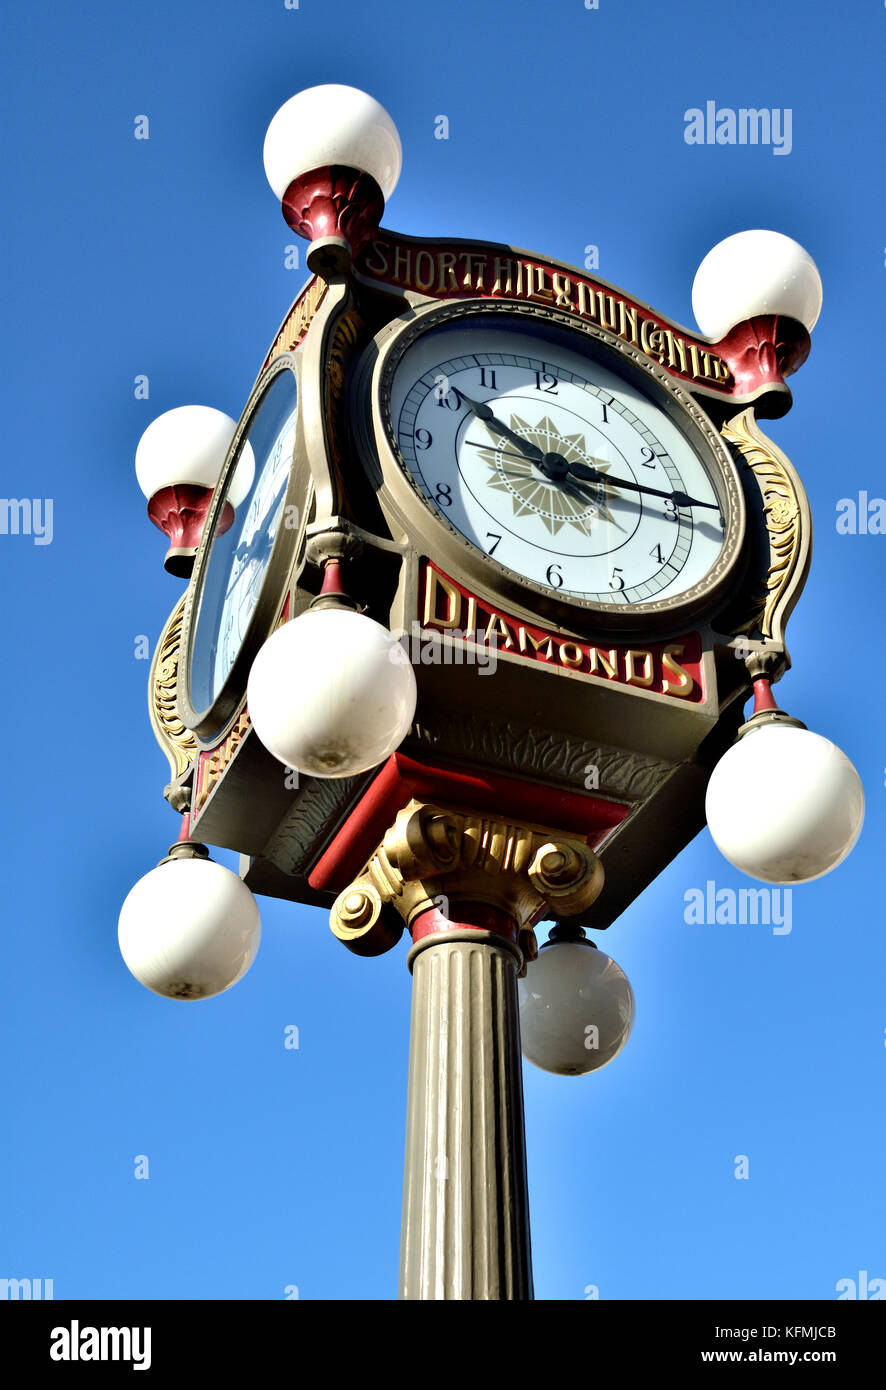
567	503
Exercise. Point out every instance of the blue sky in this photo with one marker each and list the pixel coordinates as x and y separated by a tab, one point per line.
272	1167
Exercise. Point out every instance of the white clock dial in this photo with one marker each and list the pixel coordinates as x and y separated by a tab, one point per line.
563	470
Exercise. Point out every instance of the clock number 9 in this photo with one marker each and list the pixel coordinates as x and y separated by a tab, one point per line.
423	439
555	578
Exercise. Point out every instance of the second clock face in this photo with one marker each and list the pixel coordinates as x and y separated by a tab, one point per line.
564	470
239	556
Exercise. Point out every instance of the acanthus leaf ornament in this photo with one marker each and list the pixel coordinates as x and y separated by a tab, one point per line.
788	527
177	742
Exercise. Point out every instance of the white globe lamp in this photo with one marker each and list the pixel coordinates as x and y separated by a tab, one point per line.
331	693
332	156
189	929
784	805
576	1006
178	463
755	273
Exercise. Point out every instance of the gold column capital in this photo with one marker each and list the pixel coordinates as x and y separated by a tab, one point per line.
432	853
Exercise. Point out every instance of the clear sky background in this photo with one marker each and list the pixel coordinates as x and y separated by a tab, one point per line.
272	1167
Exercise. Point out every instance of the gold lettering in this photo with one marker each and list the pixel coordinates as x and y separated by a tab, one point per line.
539	289
685	684
379	249
403	264
676	349
524	636
633	677
497	627
435	584
424	282
653	342
471	624
697	368
469	258
720	372
627	318
610	666
586	303
500	265
563	292
445	263
601	300
577	657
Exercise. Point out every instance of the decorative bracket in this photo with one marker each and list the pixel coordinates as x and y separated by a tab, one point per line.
177	742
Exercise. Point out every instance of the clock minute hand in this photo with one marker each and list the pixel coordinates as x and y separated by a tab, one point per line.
484	413
596	475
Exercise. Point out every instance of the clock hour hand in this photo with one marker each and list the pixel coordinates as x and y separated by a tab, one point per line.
484	413
596	475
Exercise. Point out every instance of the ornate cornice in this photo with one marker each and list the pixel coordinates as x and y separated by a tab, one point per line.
320	805
506	745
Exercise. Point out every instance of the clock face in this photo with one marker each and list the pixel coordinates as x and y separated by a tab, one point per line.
238	558
559	459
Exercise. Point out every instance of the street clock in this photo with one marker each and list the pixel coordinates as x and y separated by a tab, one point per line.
480	585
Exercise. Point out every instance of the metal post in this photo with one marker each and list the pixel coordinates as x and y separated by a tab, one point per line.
465	1200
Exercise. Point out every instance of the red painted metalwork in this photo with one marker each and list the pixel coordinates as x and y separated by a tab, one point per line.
180	511
334	201
763	350
332	579
763	696
469	917
403	778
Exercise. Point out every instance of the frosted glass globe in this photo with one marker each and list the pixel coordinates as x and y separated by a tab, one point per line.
189	445
332	124
189	929
784	804
576	1008
331	693
754	273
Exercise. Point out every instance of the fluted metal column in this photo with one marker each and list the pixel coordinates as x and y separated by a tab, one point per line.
465	1200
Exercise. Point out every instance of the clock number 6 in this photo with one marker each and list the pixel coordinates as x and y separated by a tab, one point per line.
555	578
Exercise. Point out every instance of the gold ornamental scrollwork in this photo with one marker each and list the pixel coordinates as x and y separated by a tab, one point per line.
431	853
788	524
177	742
